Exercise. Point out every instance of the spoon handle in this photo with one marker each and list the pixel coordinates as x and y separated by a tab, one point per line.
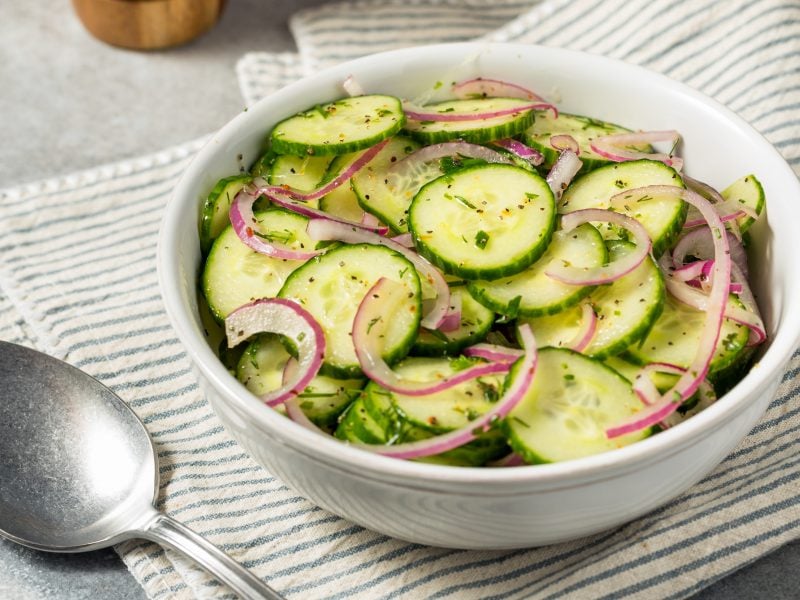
173	534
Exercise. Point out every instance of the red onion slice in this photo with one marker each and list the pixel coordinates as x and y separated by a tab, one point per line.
699	244
563	171
353	168
481	87
524	152
695	221
728	210
564	141
442	443
748	316
452	320
418	113
410	163
370	221
404	239
368	329
509	460
616	146
646	390
606	274
247	228
287	318
586	331
352	87
493	352
690	380
314	214
325	229
693	270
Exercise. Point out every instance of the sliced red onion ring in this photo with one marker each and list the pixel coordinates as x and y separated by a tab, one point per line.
705	190
352	87
353	168
430	153
563	171
418	113
728	210
693	220
246	227
509	460
699	243
586	331
616	146
287	318
452	320
699	300
693	270
565	141
325	229
648	393
368	329
690	380
521	150
404	239
442	443
370	221
492	88
570	274
314	214
493	352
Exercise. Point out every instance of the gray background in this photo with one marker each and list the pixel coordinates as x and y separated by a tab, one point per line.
69	102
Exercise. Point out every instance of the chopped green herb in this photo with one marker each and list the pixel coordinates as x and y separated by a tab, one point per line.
481	239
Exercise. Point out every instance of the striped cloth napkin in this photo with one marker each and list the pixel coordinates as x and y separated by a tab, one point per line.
78	280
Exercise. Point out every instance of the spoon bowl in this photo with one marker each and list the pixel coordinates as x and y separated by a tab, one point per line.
79	472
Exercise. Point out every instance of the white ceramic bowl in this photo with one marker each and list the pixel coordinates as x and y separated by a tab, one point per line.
525	506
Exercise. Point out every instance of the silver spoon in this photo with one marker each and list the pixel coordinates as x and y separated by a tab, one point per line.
78	469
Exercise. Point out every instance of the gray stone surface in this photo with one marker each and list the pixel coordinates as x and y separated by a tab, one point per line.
69	102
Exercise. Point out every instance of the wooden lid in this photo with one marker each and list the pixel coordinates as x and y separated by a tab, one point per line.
148	24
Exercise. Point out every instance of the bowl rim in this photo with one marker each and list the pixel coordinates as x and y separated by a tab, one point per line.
349	458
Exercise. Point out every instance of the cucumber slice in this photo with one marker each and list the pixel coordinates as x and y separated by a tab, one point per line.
347	125
302	173
572	401
446	410
389	196
260	369
343	203
437	413
483	222
532	293
748	192
675	336
215	210
262	166
626	310
661	217
357	425
332	286
235	275
478	131
476	321
583	130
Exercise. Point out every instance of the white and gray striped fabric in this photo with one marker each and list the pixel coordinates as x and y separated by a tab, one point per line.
77	280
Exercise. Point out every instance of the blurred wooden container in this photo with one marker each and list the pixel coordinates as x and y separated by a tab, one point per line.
148	24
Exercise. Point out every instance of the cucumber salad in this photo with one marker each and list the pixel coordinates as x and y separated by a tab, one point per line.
483	280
